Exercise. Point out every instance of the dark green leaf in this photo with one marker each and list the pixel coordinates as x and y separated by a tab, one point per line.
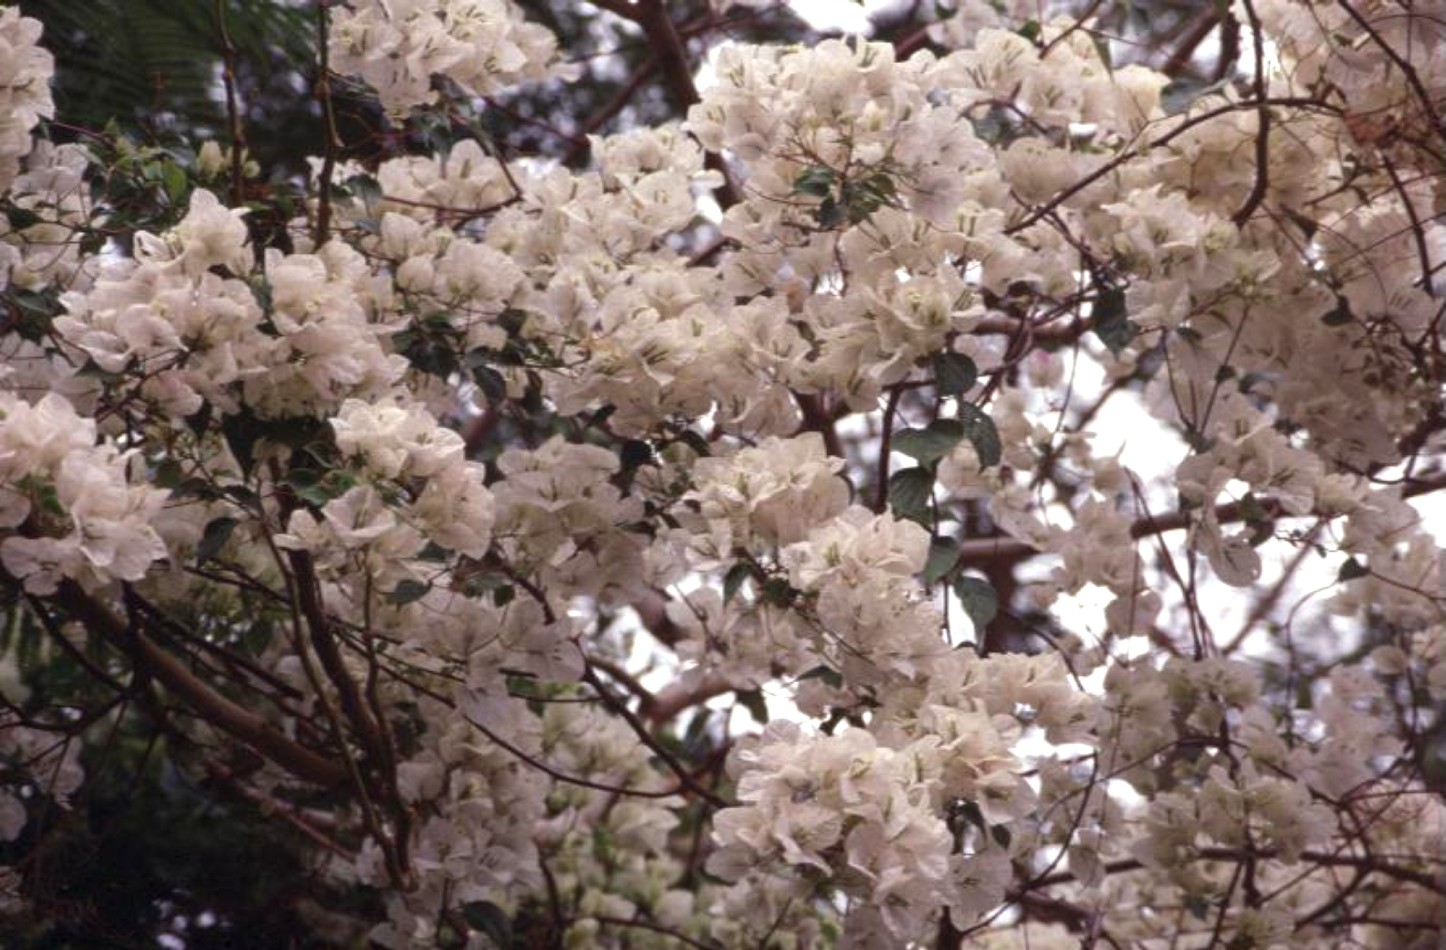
695	738
978	600
1001	835
1111	322
777	592
1351	570
365	188
910	490
734	579
1341	315
980	430
954	373
489	920
512	320
169	474
829	676
634	454
694	441
21	218
830	213
33	302
408	591
1199	907
433	552
1251	508
863	197
815	180
932	443
971	813
493	386
243	430
943	555
213	538
317	487
753	701
200	420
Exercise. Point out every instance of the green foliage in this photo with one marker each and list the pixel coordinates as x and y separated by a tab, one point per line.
146	853
153	66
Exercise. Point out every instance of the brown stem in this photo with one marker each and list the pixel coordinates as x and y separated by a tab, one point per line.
1262	134
817	419
685	780
673	699
233	110
322	91
204	701
886	439
613	106
672	57
1191	41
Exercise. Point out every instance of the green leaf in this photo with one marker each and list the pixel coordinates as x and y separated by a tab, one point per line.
978	599
753	701
695	441
434	552
633	455
943	555
954	373
169	474
695	738
1341	315
981	431
317	487
1001	835
1111	322
733	580
364	187
971	813
1351	570
213	538
815	180
244	429
408	591
777	592
47	499
493	386
174	177
21	218
863	197
932	443
910	490
1030	30
830	213
489	920
830	676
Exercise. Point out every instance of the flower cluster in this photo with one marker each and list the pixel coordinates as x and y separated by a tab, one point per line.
68	507
398	46
841	805
185	313
24	89
474	501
